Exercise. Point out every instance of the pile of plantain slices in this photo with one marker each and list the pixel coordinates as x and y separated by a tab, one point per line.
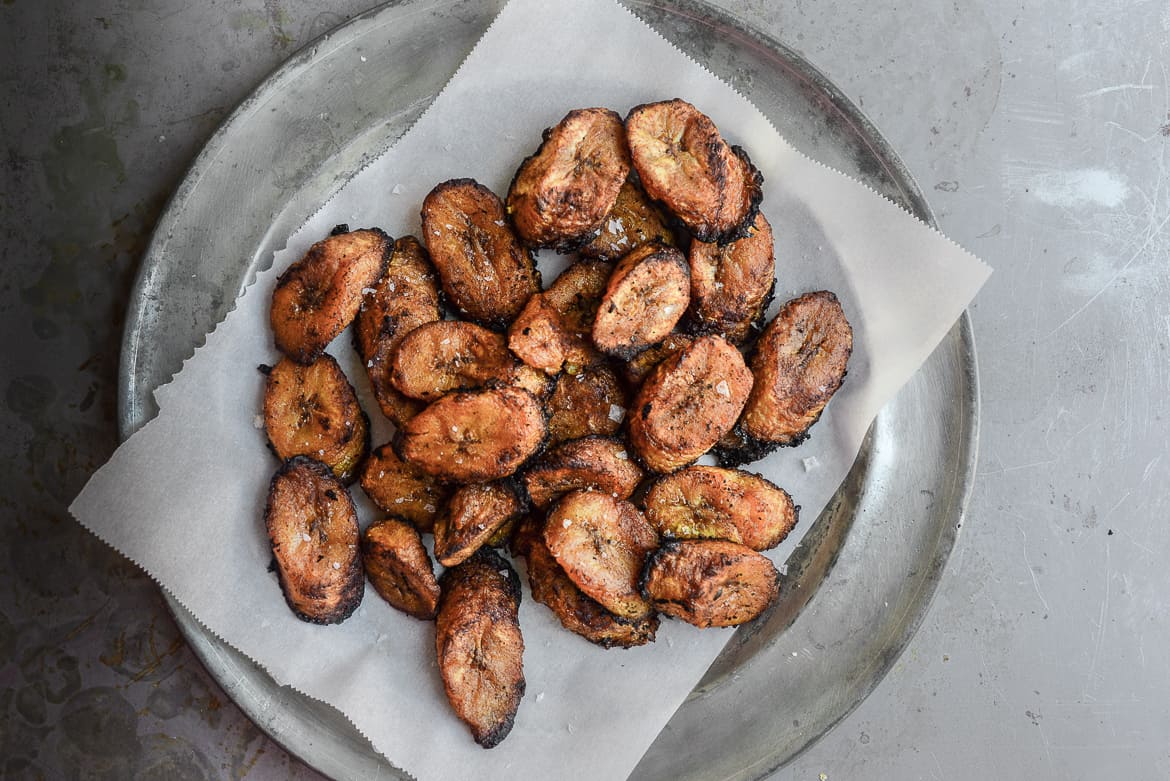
560	424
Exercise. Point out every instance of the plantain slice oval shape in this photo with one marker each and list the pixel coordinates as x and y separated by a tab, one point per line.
406	296
602	543
561	195
592	401
682	161
541	339
399	568
725	504
450	355
319	295
474	436
313	411
313	532
648	293
799	363
593	462
638	368
486	273
710	582
634	220
402	489
479	646
474	514
576	612
576	293
688	403
732	285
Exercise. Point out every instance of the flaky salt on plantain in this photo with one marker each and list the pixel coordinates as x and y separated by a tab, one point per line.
576	293
634	220
599	463
710	583
473	516
399	568
731	285
448	355
403	489
648	293
637	369
592	401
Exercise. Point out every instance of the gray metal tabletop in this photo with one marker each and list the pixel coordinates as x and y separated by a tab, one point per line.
1040	134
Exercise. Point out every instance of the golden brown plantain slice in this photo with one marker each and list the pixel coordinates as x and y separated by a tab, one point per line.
313	411
576	293
474	514
474	436
732	285
403	489
688	403
589	402
502	536
319	295
561	195
638	368
399	568
710	582
799	363
633	221
646	295
406	297
485	271
725	504
684	162
313	530
479	646
602	543
450	355
591	462
540	337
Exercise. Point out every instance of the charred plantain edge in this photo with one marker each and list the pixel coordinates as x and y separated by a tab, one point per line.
669	545
755	180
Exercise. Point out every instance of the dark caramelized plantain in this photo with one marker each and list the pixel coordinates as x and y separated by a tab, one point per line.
485	271
799	363
540	337
591	462
732	285
688	403
474	436
577	612
561	195
403	489
319	295
399	568
684	162
479	646
474	514
450	355
633	221
724	504
406	297
601	543
576	293
313	531
638	368
710	582
589	402
646	295
313	411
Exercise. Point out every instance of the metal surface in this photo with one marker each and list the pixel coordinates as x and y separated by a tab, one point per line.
863	579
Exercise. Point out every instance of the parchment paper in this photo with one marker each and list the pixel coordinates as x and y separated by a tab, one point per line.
184	496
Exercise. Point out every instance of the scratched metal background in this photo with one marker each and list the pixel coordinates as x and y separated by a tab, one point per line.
1041	133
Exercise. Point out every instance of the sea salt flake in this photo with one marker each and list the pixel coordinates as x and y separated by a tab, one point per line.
616	413
810	463
397	189
722	389
337	565
568	522
623	455
668	310
306	537
391	287
540	696
367	291
258	421
429	508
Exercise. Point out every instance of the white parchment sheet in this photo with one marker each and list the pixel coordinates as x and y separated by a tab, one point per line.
184	496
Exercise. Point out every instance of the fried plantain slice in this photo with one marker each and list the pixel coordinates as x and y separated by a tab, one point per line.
602	543
485	271
450	355
319	295
799	363
732	285
646	295
688	403
403	489
540	337
399	568
561	195
479	646
474	436
474	514
502	536
313	531
710	582
406	296
591	462
576	293
684	162
589	402
724	504
638	368
313	411
634	220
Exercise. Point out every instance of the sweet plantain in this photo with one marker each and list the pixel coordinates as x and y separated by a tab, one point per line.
710	582
451	355
633	221
474	514
576	293
589	402
399	568
319	295
732	285
313	532
403	489
591	462
645	296
479	646
542	339
638	368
